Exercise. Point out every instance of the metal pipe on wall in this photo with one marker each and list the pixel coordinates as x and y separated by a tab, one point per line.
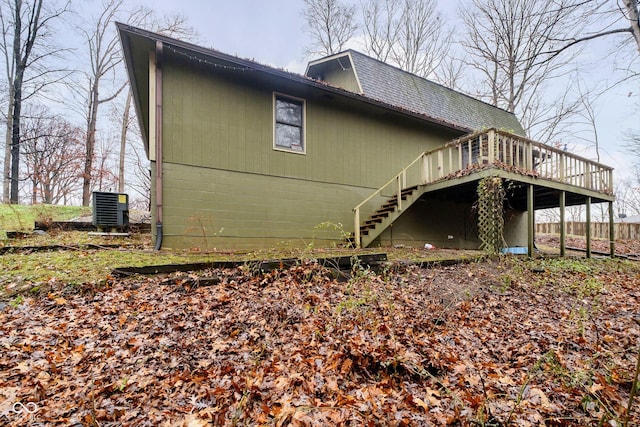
158	142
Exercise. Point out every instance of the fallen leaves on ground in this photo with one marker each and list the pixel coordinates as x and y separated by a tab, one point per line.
622	247
507	342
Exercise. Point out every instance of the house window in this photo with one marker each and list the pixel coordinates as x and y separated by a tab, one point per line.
289	124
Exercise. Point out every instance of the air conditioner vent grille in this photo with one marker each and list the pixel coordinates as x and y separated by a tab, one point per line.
110	209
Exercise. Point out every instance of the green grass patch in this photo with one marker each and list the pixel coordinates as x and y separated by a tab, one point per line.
29	272
22	217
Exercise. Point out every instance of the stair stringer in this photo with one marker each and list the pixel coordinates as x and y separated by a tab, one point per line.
373	233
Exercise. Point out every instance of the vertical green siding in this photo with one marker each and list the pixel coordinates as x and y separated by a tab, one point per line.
342	78
226	187
338	71
220	123
211	208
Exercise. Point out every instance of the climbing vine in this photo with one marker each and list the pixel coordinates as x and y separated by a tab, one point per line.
491	195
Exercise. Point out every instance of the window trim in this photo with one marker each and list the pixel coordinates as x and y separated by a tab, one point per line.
276	96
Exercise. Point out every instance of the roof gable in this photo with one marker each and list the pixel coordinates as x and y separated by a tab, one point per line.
394	86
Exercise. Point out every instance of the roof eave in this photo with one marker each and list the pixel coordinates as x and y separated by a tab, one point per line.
125	43
127	31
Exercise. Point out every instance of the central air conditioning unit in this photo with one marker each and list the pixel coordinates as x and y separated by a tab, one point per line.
110	210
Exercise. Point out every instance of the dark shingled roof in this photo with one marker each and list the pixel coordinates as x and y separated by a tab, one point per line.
397	87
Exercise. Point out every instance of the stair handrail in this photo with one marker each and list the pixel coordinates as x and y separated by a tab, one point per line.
401	178
568	167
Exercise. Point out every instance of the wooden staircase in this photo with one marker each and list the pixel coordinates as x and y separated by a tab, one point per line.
467	155
385	215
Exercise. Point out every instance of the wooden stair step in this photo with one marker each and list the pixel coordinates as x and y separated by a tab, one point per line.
389	206
380	215
394	200
387	209
373	221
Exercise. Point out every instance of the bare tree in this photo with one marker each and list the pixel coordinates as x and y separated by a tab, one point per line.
409	33
103	170
142	182
450	72
380	23
587	118
25	27
53	153
124	129
628	195
602	18
331	24
424	41
173	26
506	41
105	56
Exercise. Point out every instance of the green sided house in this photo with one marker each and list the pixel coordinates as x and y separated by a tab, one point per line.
249	156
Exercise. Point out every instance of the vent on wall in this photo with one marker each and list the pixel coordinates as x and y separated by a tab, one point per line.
110	209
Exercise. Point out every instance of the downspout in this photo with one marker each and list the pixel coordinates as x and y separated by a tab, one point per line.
158	142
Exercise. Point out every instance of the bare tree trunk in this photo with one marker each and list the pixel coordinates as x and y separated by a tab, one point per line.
34	192
22	28
634	19
123	140
105	56
15	122
21	58
90	144
6	172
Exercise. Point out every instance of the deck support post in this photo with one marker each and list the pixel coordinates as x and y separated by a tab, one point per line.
612	232
588	227
563	225
530	220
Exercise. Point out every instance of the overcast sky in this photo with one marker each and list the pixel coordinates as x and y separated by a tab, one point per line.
272	32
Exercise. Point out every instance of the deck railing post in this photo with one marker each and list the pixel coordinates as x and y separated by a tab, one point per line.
423	169
399	192
501	147
356	229
491	143
450	168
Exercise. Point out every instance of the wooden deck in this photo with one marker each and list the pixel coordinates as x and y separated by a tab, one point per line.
489	149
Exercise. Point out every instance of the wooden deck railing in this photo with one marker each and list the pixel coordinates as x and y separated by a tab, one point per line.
493	148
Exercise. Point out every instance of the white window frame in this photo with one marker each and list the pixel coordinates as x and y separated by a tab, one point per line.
303	133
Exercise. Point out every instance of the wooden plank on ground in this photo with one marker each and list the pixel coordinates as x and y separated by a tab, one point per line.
339	263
